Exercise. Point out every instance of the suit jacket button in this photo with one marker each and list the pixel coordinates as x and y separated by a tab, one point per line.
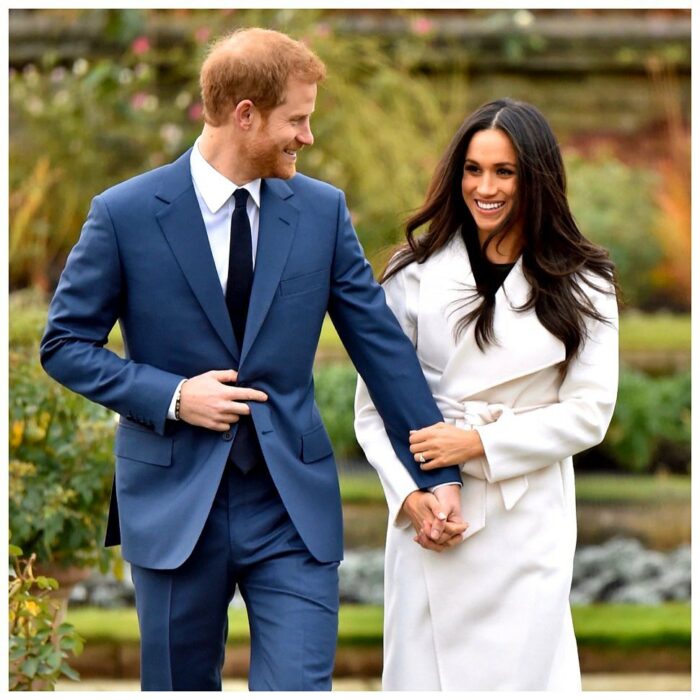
227	436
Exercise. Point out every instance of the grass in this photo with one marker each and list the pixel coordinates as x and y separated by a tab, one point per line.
657	332
632	488
633	626
596	488
361	488
624	626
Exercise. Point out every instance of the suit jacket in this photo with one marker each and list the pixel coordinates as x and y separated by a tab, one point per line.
144	260
502	594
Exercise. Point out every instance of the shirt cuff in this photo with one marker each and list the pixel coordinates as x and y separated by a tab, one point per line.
171	410
433	489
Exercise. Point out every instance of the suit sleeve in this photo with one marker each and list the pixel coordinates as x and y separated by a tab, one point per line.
517	444
369	427
83	311
381	352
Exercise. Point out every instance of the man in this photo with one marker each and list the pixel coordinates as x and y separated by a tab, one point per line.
225	474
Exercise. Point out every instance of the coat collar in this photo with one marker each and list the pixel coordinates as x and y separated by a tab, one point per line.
523	345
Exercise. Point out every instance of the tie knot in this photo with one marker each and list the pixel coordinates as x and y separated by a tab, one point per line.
240	196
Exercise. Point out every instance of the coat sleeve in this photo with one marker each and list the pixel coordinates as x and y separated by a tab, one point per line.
382	354
369	427
83	311
517	444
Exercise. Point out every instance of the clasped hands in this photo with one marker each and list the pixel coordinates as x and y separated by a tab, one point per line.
437	517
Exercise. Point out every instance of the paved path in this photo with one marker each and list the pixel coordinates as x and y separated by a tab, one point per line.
592	681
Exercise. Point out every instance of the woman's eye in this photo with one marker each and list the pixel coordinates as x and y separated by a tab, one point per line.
471	169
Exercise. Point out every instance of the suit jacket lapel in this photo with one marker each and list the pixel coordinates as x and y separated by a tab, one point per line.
181	222
278	224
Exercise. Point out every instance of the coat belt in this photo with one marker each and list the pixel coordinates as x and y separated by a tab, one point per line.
468	414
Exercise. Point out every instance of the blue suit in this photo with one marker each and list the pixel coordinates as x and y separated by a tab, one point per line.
144	260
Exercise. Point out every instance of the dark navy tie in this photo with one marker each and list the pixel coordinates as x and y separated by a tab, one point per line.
245	452
240	266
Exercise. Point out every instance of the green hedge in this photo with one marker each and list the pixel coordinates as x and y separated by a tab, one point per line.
628	626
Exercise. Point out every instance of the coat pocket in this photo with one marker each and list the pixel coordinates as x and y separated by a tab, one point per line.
141	446
303	283
315	445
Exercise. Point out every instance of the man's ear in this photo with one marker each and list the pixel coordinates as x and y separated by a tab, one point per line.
244	114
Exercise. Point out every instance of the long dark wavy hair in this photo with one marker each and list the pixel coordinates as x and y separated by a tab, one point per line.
555	254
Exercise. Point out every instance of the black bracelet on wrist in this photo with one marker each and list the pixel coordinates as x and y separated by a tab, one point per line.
177	401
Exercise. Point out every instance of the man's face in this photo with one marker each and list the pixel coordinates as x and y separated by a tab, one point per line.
273	147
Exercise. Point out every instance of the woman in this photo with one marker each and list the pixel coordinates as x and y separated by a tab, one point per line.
513	313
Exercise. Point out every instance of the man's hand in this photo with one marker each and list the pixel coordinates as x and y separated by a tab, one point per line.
437	528
208	401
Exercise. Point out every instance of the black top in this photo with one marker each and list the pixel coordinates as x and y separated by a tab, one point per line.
489	275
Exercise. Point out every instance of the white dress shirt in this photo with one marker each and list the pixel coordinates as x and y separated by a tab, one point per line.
215	197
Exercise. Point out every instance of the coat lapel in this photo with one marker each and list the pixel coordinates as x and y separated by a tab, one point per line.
278	224
523	345
181	222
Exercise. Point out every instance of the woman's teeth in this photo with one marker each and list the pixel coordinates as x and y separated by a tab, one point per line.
489	206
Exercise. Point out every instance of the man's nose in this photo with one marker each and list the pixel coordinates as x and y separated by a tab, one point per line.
305	136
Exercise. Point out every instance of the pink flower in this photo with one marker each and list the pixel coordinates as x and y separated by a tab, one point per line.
421	25
195	111
140	45
202	35
139	100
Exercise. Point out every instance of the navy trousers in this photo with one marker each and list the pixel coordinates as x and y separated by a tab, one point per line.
292	599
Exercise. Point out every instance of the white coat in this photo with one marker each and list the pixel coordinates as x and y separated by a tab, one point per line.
492	613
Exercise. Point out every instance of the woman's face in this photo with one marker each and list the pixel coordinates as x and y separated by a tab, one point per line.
489	180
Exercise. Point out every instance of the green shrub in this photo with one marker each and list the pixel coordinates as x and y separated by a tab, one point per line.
614	206
651	427
39	642
335	396
60	467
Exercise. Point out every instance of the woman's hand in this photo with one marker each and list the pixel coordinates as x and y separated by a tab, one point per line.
443	444
437	525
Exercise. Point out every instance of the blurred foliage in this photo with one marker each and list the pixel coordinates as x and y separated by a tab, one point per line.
60	467
39	642
613	205
673	196
380	126
335	396
652	423
650	430
75	130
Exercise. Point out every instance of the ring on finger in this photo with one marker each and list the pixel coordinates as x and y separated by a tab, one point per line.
421	457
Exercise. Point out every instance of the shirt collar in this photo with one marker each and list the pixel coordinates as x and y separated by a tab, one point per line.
215	188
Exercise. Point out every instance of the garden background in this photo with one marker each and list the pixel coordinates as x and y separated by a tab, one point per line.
96	96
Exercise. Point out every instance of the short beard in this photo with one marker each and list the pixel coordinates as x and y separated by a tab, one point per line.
267	161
